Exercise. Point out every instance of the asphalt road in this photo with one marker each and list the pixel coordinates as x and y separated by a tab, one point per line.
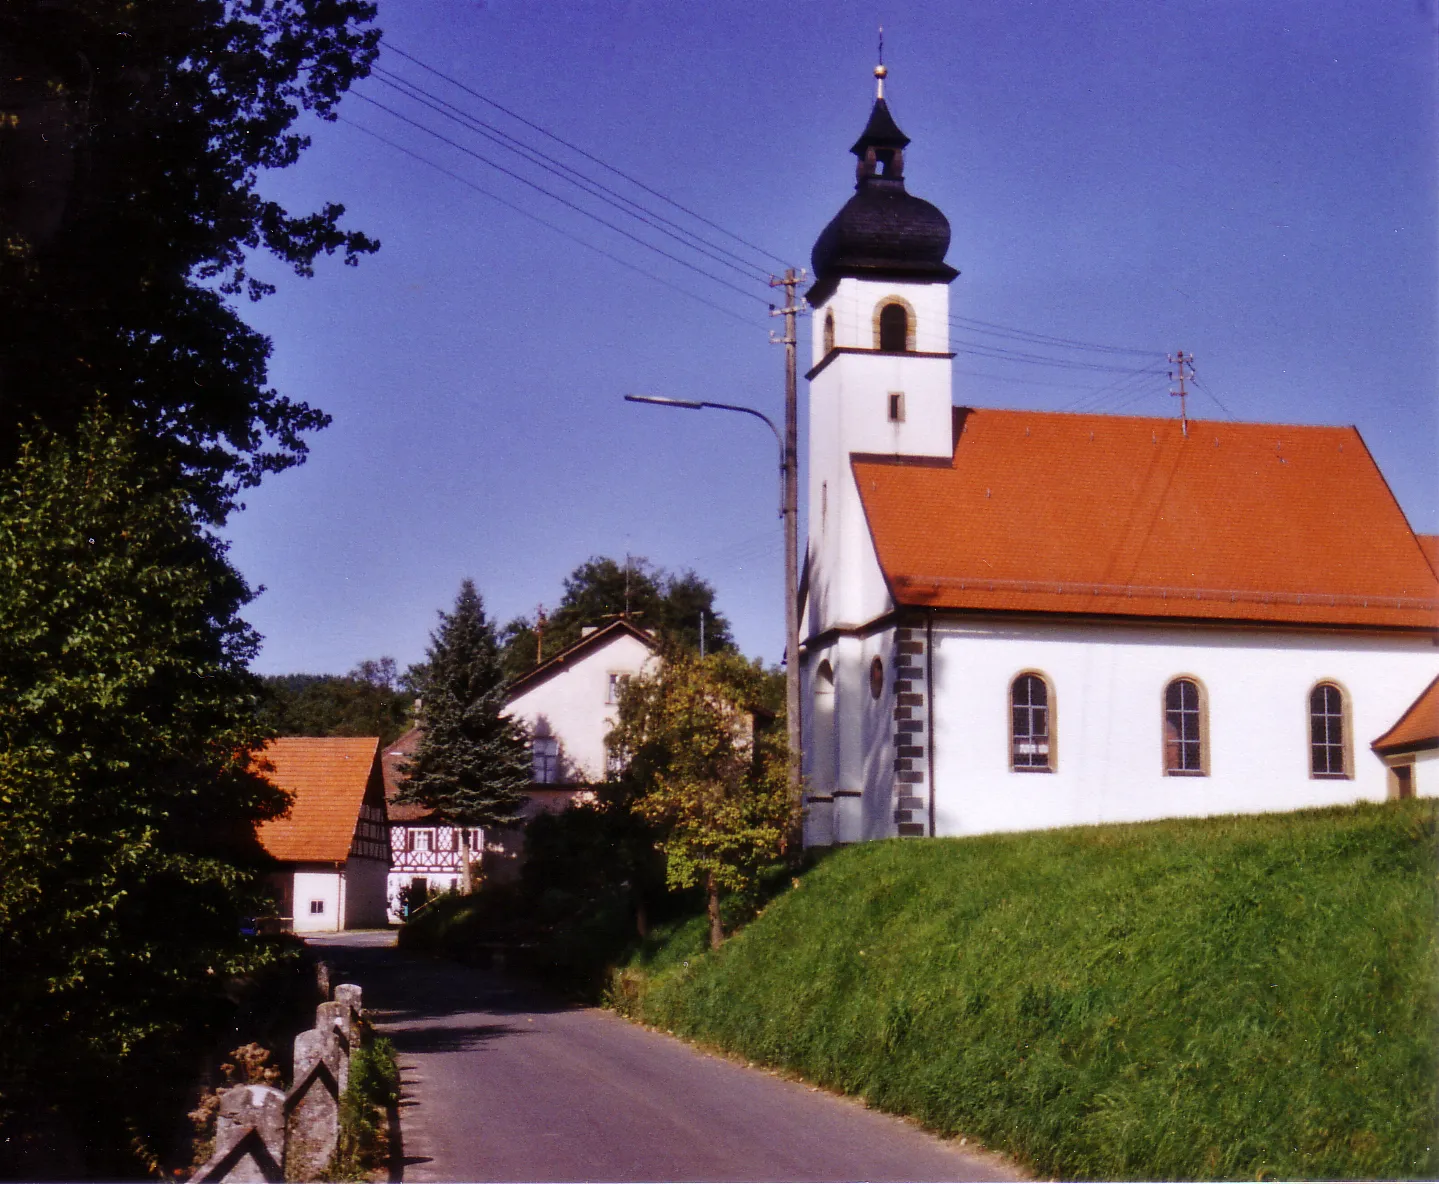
503	1083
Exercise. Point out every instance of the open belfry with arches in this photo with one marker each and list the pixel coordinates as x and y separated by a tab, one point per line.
1014	620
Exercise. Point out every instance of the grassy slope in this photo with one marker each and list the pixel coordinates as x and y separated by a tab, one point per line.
1233	997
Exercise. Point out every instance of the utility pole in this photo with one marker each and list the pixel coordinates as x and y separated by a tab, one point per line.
1180	360
791	540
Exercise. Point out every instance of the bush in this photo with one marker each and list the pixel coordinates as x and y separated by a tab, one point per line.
373	1091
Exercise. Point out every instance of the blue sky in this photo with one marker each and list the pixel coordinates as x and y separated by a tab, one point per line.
1250	180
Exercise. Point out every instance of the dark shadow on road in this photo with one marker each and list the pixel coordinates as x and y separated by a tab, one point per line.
445	1039
451	990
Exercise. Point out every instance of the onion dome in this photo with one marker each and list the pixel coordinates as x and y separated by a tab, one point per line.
882	232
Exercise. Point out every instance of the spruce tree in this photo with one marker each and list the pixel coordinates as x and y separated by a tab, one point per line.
472	767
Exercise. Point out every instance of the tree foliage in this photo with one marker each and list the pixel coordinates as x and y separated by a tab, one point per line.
472	766
601	590
705	770
368	701
128	804
132	141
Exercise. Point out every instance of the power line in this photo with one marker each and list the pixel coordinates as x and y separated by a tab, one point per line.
557	168
999	353
1046	338
562	200
1027	381
1204	386
543	222
1117	388
587	155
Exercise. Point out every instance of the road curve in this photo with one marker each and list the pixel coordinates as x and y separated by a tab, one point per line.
504	1083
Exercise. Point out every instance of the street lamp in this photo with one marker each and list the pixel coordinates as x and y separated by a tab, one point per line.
791	564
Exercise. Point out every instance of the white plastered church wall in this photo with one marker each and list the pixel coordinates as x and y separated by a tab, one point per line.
848	414
1108	684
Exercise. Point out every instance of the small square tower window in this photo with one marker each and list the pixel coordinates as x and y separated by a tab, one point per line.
896	406
317	906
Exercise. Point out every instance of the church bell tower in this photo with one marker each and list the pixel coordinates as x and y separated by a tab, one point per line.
880	383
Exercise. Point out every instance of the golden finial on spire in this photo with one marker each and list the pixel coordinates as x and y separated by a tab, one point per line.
880	73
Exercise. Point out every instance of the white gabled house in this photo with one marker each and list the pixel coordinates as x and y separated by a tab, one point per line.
1016	620
567	706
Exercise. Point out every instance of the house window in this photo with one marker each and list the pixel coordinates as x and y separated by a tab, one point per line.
617	760
545	759
476	838
1029	713
896	406
612	688
1328	736
829	331
893	328
422	840
1184	754
317	907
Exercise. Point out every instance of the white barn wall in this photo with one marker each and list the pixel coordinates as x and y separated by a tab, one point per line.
1108	683
366	881
327	886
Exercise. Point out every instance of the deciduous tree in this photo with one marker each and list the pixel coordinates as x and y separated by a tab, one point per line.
127	804
601	590
700	770
472	766
133	137
365	702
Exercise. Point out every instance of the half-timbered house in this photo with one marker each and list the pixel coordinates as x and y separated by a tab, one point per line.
566	706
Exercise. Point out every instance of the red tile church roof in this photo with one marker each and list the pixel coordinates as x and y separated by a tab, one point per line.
1417	728
1129	516
1430	545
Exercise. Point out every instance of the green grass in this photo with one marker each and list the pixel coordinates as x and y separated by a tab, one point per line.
1224	998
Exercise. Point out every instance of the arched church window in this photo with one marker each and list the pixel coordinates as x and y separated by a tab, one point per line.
829	331
1328	733
893	328
1031	717
1184	729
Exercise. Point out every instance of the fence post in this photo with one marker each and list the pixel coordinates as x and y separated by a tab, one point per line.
249	1136
312	1107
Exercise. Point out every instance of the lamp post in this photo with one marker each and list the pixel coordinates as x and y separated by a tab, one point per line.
787	511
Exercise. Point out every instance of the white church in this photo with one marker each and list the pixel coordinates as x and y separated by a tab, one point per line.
1016	620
